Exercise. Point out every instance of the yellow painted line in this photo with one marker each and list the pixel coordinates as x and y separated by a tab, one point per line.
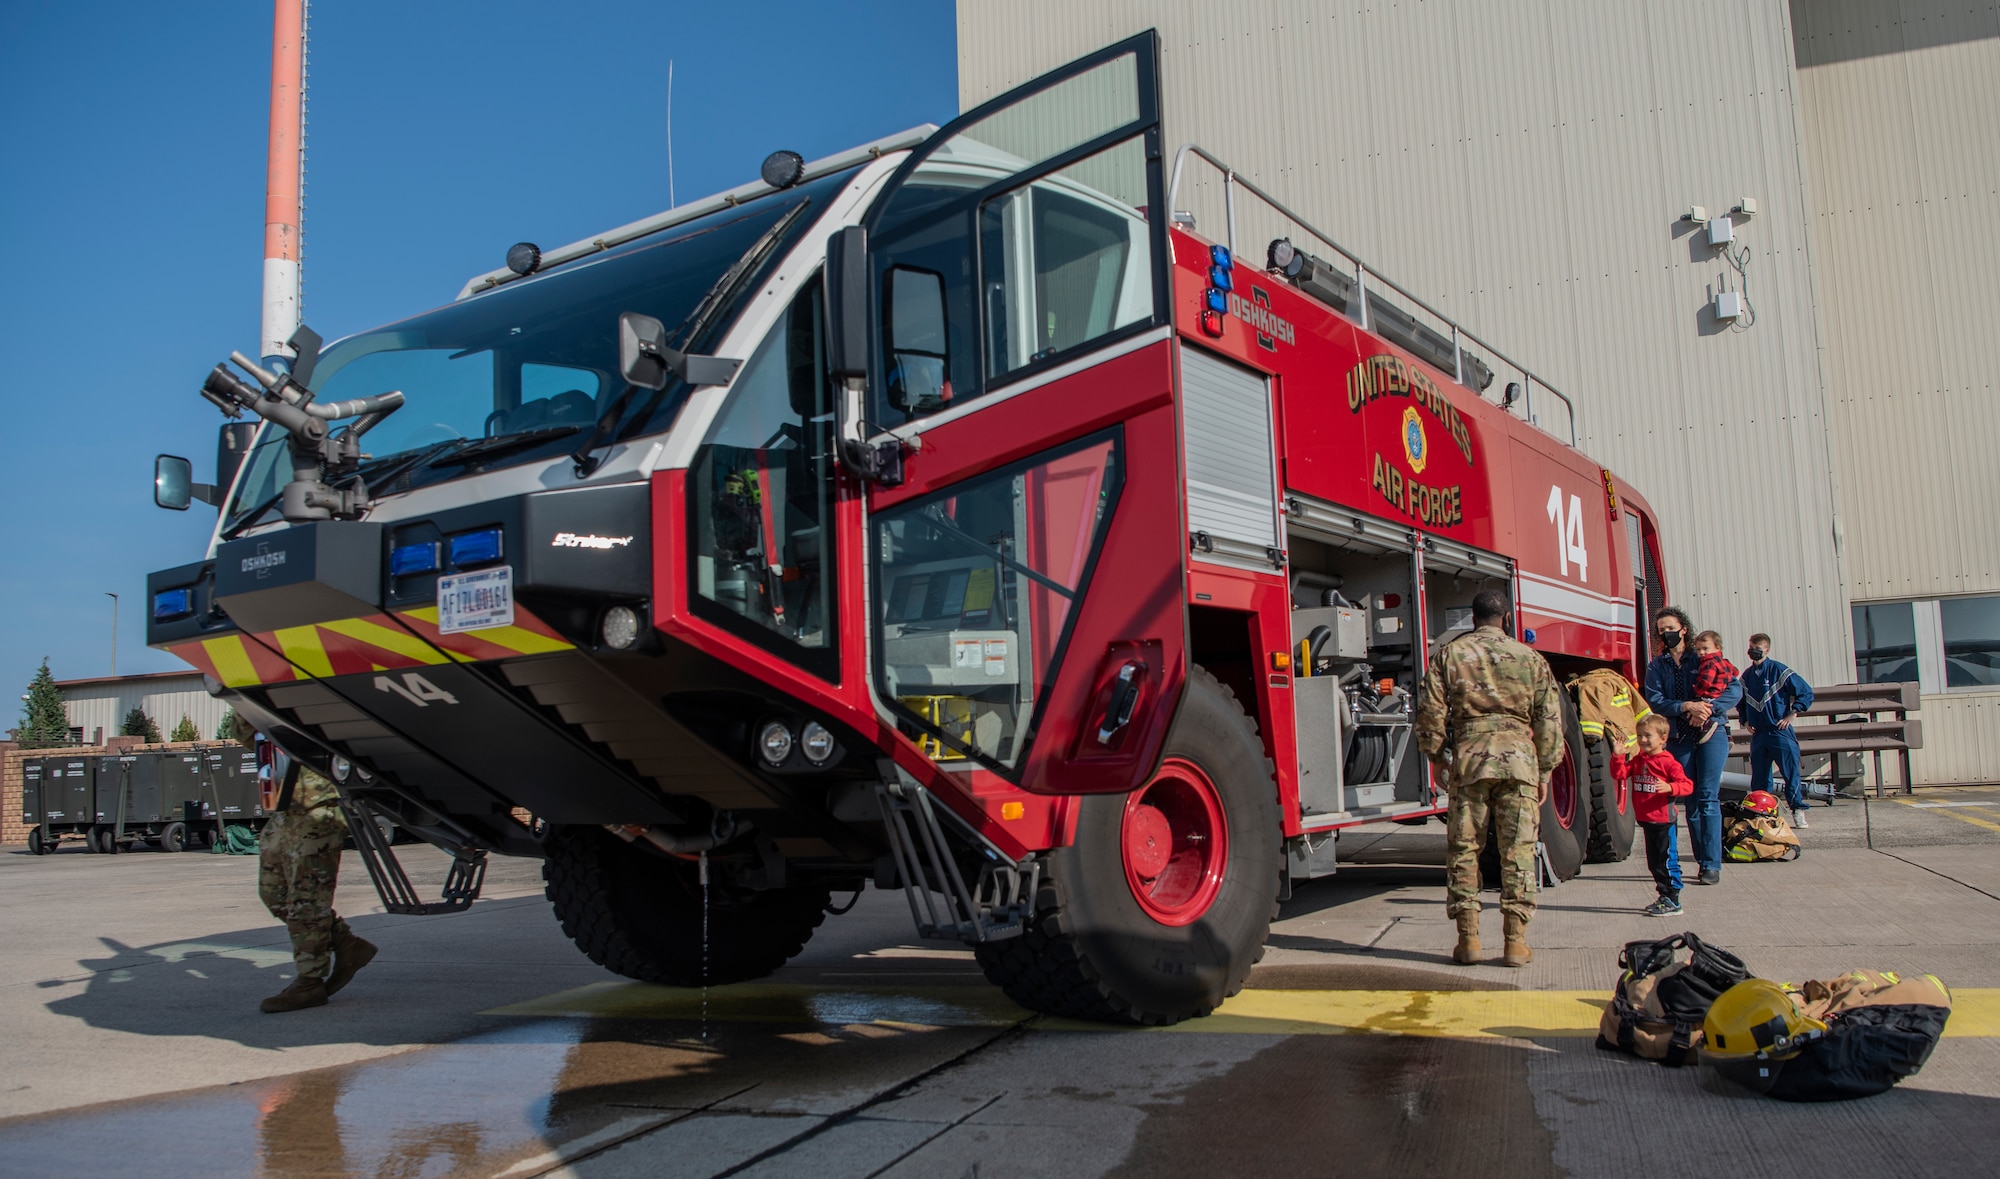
1975	820
1457	1014
1469	1015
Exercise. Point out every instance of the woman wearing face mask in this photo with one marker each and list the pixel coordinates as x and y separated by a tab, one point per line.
1670	679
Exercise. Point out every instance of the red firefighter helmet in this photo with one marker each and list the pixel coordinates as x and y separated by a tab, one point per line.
1760	802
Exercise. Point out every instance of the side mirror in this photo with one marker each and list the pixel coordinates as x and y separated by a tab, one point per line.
642	350
645	360
173	482
847	304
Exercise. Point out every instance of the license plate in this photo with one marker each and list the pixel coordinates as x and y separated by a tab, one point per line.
476	601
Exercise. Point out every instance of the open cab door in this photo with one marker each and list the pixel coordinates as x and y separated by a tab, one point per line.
1015	428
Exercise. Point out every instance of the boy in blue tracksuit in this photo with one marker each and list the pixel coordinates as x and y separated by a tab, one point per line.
1772	695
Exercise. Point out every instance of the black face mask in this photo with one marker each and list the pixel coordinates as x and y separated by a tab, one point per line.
1756	654
1670	639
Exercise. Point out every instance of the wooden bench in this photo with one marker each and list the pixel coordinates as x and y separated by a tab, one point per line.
1898	734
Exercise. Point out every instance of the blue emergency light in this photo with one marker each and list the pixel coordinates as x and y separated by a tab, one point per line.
406	559
1218	277
173	603
1218	301
475	548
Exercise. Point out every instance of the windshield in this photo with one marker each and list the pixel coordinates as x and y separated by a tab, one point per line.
535	363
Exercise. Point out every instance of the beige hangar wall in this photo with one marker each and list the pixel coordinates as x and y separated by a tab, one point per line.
1899	104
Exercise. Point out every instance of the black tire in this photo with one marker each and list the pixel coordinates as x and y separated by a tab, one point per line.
1090	950
92	841
639	914
37	845
1611	830
172	838
1566	843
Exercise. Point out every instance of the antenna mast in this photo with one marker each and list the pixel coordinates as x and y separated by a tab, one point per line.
283	203
671	203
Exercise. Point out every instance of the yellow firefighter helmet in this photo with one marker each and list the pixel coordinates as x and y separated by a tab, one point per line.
1751	1030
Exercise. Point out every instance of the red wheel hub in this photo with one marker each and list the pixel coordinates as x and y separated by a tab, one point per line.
1562	792
1175	843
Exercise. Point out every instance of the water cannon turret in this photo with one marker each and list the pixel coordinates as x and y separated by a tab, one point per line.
319	453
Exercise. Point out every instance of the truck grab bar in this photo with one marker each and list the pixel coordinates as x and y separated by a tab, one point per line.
1362	272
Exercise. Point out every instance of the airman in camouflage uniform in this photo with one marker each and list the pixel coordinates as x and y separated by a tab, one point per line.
298	865
1499	705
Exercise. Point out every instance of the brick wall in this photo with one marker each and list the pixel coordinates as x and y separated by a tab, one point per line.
12	830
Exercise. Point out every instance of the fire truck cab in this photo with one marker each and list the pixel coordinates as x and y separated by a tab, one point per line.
941	514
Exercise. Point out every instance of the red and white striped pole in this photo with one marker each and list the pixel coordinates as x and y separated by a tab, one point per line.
282	212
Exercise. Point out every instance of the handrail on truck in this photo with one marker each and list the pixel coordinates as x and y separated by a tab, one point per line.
1231	178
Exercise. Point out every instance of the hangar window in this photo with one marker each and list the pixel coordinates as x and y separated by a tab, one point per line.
1971	641
1942	644
1885	643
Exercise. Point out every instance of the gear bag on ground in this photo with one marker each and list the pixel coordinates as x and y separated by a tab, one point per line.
1657	1009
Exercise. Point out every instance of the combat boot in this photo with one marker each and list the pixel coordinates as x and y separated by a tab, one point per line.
350	954
1467	951
303	993
1516	951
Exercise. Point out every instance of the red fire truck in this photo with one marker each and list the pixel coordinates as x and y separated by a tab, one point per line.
946	514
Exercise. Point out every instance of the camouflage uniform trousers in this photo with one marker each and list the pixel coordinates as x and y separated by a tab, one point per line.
298	864
1516	811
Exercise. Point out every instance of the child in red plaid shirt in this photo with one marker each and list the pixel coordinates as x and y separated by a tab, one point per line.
1712	675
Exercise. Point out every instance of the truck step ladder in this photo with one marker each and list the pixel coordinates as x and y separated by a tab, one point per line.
996	906
392	884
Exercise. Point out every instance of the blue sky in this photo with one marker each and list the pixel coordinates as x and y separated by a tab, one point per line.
442	131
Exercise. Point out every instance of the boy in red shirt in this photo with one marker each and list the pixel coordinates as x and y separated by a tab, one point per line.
1656	779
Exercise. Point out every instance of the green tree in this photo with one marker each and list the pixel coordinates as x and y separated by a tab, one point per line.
138	724
185	731
226	731
44	720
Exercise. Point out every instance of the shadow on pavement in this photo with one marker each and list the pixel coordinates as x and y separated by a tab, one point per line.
211	987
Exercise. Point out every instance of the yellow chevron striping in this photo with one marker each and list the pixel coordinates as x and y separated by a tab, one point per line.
232	662
301	645
399	641
514	638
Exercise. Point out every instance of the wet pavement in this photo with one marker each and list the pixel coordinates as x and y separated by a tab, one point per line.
484	1044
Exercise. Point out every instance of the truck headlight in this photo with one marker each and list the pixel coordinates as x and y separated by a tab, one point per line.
341	768
816	742
621	628
774	743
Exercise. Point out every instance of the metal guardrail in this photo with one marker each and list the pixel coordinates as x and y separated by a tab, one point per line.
1830	703
1362	274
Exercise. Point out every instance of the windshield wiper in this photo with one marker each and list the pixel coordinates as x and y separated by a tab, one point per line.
486	448
251	517
380	471
613	425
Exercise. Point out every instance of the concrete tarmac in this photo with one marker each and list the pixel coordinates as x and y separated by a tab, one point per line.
484	1044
